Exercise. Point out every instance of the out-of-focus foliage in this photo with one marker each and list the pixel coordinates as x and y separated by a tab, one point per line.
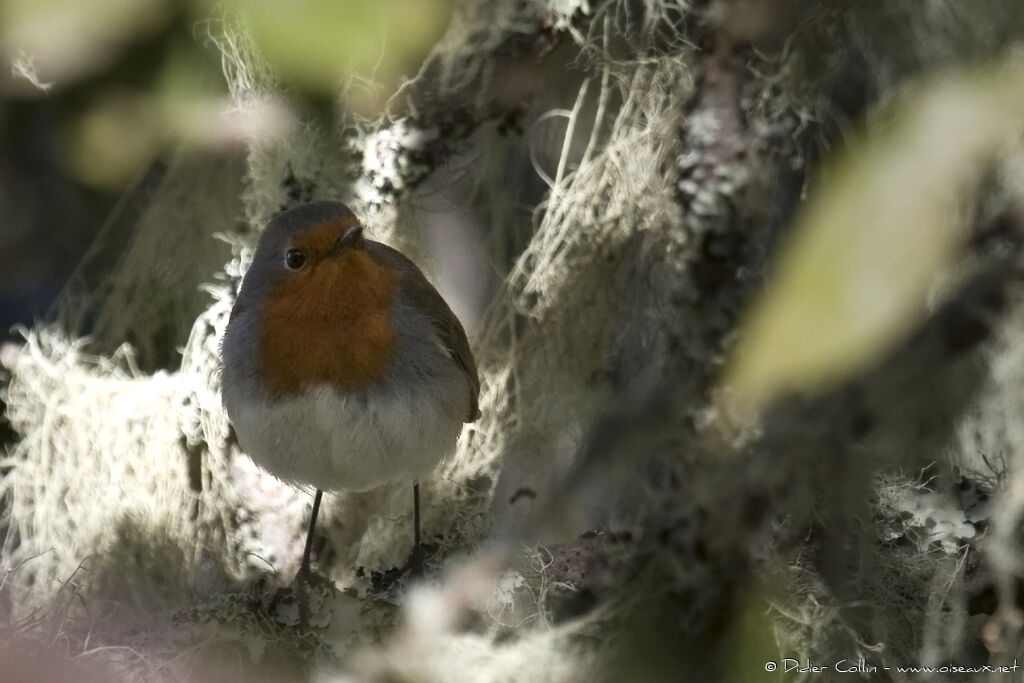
837	303
58	41
132	78
136	106
124	128
317	44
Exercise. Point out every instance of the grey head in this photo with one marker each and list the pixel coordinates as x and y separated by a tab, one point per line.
269	261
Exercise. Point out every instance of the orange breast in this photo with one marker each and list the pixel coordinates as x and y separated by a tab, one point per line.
332	324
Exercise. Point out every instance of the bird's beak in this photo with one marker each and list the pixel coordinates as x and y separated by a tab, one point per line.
352	236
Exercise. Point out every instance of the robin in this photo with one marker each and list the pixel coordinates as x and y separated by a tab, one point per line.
344	369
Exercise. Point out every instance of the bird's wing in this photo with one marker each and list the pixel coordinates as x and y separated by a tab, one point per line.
446	325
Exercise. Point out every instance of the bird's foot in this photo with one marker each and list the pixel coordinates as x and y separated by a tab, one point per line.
303	603
313	591
417	561
416	565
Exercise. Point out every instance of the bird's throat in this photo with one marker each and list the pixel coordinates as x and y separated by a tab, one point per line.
333	324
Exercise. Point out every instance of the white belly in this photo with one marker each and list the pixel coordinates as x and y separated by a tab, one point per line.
335	442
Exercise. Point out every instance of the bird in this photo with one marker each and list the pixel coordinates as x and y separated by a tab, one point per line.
343	368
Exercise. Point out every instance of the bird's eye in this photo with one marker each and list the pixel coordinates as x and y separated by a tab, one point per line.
295	259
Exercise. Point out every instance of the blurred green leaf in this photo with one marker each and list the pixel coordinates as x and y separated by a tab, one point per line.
184	104
115	139
748	648
317	44
878	228
195	109
67	39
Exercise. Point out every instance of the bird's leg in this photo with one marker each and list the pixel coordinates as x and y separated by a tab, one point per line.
416	560
304	570
302	579
416	512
